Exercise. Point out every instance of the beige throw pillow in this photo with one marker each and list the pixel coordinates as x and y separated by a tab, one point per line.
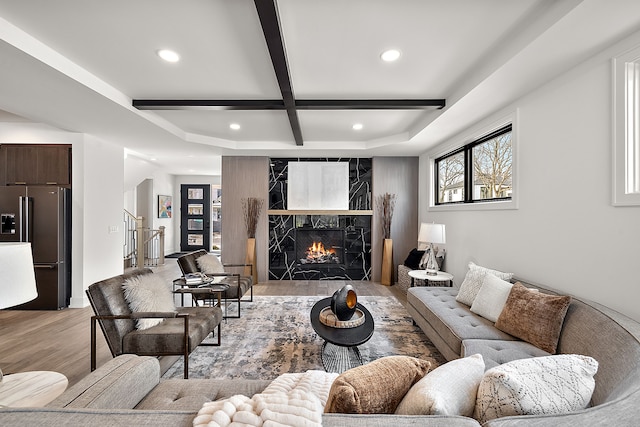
377	387
534	317
450	389
148	293
210	264
491	298
541	385
473	282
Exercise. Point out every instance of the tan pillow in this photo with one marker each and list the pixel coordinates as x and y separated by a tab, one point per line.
534	317
377	387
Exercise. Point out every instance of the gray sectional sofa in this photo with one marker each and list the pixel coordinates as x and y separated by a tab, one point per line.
589	329
128	390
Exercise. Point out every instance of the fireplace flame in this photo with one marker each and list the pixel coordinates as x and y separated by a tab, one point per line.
317	253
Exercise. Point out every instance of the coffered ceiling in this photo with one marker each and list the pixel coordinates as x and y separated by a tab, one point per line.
91	66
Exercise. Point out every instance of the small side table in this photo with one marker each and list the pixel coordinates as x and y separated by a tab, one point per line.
29	389
340	349
213	289
440	276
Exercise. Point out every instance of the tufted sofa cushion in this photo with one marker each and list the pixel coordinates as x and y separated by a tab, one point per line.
177	394
497	352
451	320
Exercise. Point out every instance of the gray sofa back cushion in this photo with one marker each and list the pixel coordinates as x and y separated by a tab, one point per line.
120	383
592	332
107	296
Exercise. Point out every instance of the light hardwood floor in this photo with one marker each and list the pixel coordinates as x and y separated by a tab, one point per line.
60	340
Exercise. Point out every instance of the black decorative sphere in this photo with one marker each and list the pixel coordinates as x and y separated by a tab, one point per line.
343	302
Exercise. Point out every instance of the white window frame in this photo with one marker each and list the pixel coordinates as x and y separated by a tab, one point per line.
474	134
626	129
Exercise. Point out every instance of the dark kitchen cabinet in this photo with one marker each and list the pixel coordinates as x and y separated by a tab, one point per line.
37	164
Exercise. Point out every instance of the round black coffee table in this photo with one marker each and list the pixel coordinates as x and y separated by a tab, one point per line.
340	349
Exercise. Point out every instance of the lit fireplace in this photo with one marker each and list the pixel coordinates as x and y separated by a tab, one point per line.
317	254
317	247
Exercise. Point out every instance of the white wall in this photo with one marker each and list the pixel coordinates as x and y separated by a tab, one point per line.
97	188
565	233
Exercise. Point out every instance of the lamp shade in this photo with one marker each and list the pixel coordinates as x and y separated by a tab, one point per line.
431	233
17	278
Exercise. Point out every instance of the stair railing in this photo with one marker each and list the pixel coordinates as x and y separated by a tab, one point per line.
142	246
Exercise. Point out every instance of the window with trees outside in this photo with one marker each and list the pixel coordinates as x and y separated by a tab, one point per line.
480	171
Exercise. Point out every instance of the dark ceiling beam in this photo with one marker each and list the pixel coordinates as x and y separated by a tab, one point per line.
208	104
278	104
369	104
268	15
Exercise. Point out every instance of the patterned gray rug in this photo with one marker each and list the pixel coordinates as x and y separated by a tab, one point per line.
274	336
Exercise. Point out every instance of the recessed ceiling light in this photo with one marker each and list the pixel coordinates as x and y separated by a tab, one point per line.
234	126
168	55
357	126
390	55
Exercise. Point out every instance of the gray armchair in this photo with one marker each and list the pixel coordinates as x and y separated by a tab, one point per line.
239	284
179	334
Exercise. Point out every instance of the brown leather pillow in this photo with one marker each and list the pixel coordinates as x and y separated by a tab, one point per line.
534	317
377	387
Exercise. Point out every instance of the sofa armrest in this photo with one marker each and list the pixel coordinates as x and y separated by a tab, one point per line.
120	383
240	265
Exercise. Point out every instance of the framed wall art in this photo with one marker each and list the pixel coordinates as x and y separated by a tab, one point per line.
164	206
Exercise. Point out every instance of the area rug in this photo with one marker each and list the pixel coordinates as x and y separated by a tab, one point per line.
274	336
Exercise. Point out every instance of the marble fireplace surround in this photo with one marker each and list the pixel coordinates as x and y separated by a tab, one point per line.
285	252
354	224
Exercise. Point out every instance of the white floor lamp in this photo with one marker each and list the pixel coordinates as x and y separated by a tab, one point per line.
17	278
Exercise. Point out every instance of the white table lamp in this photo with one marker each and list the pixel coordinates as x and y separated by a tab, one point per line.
17	278
431	233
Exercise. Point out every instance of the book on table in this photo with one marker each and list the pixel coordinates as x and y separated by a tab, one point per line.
194	278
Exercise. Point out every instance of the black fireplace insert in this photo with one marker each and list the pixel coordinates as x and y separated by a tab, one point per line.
316	246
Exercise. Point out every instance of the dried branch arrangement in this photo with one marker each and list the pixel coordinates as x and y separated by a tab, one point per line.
251	208
386	203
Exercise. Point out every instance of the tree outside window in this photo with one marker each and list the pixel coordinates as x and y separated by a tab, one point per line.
479	171
492	168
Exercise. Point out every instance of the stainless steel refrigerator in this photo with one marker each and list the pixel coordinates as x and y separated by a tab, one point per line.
41	215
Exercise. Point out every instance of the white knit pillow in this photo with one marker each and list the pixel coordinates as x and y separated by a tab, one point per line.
148	292
491	298
450	389
210	264
541	385
473	282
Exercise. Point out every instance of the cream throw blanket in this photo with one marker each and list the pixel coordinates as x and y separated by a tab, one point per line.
290	400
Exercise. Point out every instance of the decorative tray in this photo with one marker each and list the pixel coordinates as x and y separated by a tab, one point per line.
328	318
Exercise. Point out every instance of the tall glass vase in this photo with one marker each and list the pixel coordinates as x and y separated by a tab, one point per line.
387	262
